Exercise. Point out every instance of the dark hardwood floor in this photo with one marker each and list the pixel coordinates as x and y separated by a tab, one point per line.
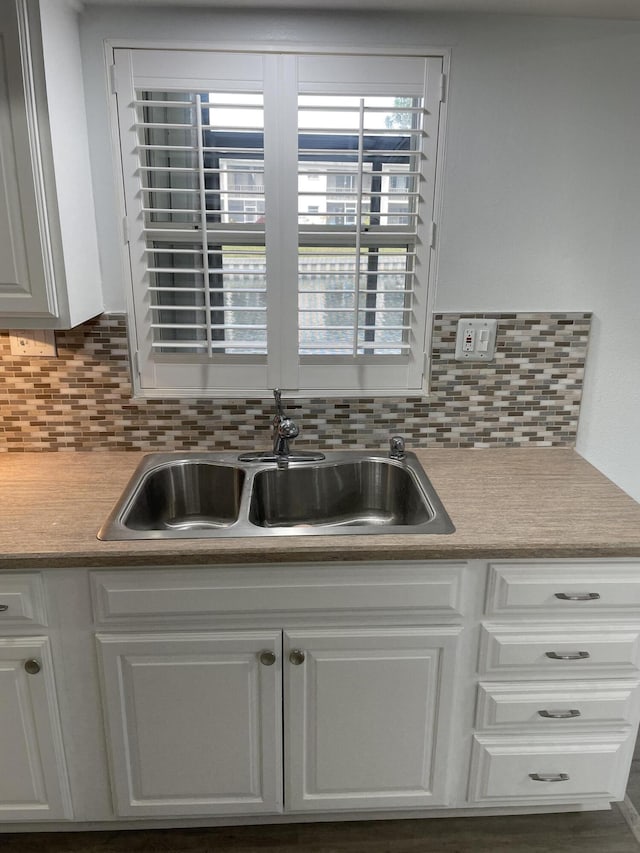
589	832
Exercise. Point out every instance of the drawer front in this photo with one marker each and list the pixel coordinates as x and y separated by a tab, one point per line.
195	593
563	589
511	770
22	600
557	706
547	651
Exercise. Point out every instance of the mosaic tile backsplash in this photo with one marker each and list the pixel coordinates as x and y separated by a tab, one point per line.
81	400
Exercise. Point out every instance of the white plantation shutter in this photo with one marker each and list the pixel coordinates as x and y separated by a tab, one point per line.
279	210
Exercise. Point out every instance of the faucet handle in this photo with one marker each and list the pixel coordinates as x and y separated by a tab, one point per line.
287	428
396	447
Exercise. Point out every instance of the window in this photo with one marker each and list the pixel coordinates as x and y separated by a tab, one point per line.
280	214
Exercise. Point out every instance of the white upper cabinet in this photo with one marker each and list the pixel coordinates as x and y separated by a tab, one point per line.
49	267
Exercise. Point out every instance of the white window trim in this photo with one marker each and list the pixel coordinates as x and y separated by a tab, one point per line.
443	53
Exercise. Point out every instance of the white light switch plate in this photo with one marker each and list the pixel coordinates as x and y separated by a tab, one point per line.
476	339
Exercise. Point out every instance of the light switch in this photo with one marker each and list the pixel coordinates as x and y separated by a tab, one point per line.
483	340
476	339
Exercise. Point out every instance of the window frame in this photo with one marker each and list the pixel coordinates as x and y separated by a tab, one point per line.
248	381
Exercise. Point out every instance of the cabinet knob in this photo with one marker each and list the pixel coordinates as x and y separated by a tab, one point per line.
578	596
296	657
559	715
568	655
549	777
3	607
267	658
32	666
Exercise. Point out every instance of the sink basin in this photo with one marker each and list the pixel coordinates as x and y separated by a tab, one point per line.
202	495
363	493
187	496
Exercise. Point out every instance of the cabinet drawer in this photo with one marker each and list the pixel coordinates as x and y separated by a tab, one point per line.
195	593
574	589
558	705
548	769
21	600
548	651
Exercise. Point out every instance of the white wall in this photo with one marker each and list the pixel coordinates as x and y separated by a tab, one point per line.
541	188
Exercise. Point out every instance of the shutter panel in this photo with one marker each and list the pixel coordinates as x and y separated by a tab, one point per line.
194	171
367	140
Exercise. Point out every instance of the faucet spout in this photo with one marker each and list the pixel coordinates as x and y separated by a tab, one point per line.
284	430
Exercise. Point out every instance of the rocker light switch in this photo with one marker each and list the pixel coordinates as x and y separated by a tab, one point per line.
476	339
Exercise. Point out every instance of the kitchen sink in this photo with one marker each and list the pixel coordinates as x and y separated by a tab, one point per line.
363	493
186	495
206	495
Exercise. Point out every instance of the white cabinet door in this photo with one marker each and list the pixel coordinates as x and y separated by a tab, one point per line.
367	717
49	263
23	283
194	722
33	781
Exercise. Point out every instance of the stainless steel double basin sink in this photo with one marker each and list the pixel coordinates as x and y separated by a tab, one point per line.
211	495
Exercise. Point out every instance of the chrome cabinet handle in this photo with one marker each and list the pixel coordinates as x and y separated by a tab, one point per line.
559	715
549	777
568	655
578	596
296	657
3	607
32	666
267	658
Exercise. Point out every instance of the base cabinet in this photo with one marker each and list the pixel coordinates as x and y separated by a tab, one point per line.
366	717
558	700
195	721
236	694
33	783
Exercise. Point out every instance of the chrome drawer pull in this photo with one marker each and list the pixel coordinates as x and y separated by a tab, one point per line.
3	607
568	655
559	715
578	596
549	777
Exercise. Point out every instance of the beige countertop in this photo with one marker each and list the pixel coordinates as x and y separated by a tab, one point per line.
512	503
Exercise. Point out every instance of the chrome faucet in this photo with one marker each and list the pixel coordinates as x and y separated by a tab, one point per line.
285	429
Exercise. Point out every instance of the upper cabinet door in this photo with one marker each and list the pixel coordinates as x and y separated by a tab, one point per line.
33	783
367	716
24	287
49	264
194	722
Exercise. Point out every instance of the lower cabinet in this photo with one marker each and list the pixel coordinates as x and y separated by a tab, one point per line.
559	696
195	720
33	783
